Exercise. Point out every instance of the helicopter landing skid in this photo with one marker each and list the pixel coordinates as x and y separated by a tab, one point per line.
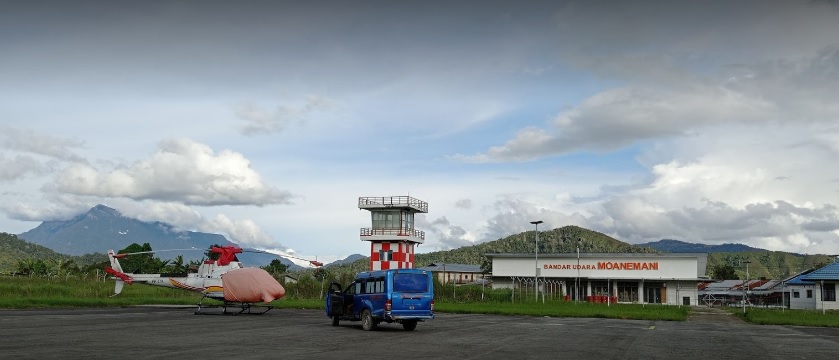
233	308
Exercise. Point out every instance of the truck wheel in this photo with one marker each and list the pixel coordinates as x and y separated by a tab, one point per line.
335	320
409	325
367	322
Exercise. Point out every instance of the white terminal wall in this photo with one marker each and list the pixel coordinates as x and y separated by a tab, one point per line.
678	273
592	266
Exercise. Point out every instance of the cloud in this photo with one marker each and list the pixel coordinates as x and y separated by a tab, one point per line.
795	92
32	153
182	171
675	83
463	204
19	167
243	232
58	209
447	235
260	121
28	141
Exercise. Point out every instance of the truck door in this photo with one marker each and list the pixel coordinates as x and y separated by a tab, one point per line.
335	300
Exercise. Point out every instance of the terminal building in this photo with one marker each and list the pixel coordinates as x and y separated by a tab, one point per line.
602	277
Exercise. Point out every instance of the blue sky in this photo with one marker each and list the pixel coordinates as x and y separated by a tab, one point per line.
708	122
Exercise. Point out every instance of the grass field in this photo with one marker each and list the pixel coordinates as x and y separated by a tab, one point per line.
571	309
789	317
27	293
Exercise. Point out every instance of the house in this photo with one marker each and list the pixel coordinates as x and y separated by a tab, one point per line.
456	273
800	293
721	293
824	283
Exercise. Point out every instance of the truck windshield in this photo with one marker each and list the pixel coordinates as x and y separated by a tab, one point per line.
410	283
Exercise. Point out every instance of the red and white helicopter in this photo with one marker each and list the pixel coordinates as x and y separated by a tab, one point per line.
224	279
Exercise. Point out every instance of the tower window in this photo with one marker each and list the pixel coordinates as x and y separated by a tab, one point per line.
385	255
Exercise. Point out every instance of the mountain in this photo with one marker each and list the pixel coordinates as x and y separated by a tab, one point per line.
676	246
560	240
348	260
763	263
102	228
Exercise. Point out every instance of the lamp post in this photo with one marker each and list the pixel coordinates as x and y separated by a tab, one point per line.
577	286
536	273
746	288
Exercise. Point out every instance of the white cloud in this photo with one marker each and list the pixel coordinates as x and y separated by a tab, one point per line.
29	141
463	204
19	167
243	232
182	171
261	121
712	121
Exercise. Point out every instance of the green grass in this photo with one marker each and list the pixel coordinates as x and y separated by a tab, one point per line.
27	293
788	317
570	309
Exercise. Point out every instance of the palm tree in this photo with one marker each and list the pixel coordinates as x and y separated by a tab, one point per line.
178	264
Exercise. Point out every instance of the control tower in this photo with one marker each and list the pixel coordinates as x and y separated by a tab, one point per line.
392	235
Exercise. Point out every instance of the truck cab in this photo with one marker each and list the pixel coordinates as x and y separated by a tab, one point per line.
404	296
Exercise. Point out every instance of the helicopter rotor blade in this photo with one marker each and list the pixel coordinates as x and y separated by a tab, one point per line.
155	251
314	263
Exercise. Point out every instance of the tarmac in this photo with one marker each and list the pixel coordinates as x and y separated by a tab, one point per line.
176	333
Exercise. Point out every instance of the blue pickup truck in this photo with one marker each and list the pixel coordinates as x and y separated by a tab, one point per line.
404	296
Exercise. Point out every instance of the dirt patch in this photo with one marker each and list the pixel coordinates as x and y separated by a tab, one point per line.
712	315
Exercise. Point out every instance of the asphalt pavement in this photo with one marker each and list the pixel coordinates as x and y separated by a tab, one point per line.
171	333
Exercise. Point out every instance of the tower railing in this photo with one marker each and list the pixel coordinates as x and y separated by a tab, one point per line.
393	201
396	232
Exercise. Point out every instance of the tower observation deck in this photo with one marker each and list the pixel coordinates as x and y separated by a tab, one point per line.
392	234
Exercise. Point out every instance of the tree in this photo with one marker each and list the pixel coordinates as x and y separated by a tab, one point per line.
724	272
486	266
178	264
144	263
275	267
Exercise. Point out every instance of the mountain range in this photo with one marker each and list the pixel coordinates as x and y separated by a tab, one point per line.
676	246
103	228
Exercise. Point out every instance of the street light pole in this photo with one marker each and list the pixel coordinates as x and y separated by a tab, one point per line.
577	286
746	288
536	273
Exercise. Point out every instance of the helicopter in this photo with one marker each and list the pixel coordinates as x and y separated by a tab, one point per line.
243	290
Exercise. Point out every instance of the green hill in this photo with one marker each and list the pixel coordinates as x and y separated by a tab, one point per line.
13	249
768	264
560	240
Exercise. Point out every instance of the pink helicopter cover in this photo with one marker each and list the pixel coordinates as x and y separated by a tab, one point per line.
251	285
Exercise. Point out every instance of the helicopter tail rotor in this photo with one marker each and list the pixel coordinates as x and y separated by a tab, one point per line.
116	270
112	257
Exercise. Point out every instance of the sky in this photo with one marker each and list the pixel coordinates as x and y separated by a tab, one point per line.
703	121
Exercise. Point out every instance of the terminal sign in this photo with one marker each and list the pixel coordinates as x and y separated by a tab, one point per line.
607	265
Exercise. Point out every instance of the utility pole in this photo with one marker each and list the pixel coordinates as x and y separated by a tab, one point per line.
536	276
746	287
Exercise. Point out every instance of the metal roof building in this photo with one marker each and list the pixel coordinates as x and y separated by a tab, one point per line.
824	282
604	277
